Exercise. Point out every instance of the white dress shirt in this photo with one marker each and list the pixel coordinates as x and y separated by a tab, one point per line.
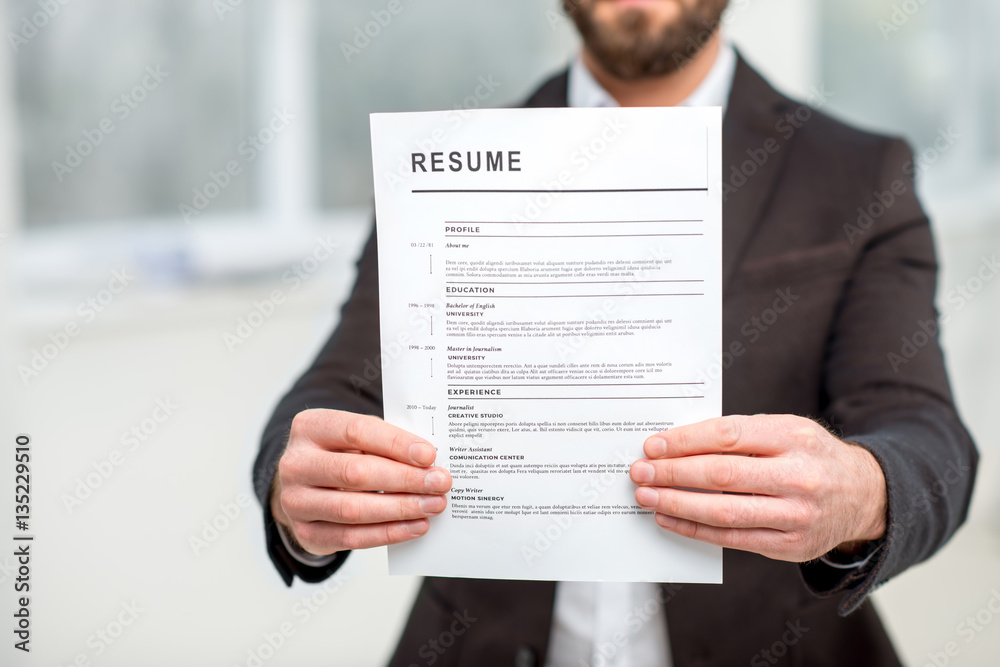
615	624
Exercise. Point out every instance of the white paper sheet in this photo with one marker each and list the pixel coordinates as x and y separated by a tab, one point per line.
550	296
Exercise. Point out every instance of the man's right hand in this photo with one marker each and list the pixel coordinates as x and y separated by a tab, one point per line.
333	461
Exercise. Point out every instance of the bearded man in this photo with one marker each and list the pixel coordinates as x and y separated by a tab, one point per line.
841	449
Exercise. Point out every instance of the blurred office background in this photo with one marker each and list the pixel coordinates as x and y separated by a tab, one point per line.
125	145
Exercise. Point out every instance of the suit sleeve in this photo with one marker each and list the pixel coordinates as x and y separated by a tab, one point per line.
888	390
346	375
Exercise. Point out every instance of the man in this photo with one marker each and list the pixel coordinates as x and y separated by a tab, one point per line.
818	304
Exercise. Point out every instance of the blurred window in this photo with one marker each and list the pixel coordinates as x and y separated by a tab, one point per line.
125	107
928	70
130	109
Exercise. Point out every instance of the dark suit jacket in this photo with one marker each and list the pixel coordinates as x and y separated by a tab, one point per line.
813	208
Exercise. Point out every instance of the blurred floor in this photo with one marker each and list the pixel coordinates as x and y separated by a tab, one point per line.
131	538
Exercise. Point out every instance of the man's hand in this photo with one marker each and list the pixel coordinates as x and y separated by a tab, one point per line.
333	461
811	492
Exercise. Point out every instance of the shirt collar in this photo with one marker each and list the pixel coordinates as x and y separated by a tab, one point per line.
583	90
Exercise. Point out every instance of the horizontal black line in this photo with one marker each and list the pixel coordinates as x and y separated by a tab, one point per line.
570	282
23	538
559	236
563	398
560	191
598	384
570	296
560	222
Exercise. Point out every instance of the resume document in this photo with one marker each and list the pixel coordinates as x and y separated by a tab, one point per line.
550	296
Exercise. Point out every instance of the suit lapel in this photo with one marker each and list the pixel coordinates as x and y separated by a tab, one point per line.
551	94
750	128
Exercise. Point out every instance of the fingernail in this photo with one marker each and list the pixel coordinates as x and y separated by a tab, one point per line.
642	472
655	448
646	497
432	504
422	453
418	527
436	480
665	521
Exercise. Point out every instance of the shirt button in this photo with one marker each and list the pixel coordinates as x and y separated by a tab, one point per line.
525	657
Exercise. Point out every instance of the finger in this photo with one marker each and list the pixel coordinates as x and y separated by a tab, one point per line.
321	537
740	474
721	510
358	472
335	430
351	507
770	543
736	434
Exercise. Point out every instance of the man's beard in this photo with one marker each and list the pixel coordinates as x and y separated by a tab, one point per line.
628	50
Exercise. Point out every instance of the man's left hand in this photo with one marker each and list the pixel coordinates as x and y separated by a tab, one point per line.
794	491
